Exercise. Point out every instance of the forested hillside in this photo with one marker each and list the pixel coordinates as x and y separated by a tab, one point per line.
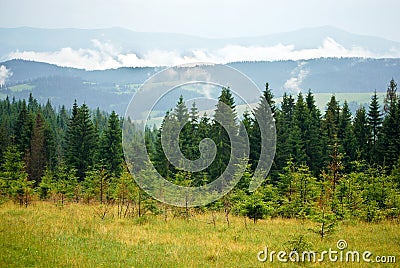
329	165
112	89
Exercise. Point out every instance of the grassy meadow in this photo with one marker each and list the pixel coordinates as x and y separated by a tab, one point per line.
45	235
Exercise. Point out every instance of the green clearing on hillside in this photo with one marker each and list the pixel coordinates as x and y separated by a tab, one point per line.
321	99
21	87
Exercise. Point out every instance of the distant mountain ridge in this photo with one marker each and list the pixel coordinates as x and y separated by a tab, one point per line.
112	89
128	48
40	39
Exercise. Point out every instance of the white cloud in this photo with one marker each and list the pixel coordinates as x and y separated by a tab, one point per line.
4	75
293	84
106	56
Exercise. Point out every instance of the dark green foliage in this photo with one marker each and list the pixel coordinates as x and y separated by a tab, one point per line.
346	136
284	123
14	180
389	144
314	142
375	124
37	152
224	122
23	129
361	133
331	120
81	140
265	110
322	170
111	154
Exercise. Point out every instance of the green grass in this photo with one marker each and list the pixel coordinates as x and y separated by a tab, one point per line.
21	87
44	235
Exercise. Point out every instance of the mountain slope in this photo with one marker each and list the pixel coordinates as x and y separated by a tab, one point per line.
95	48
112	89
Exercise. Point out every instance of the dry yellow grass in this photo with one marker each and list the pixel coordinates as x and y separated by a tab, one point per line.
44	235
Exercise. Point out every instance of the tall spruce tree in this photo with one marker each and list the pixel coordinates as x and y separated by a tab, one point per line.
38	155
23	129
297	136
315	143
193	130
375	124
265	110
181	115
160	161
284	126
346	135
361	134
81	140
331	120
111	146
389	143
391	95
224	122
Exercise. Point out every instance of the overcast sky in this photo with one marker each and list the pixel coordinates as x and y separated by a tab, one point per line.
209	18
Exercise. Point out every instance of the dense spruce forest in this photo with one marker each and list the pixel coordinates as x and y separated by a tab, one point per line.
329	165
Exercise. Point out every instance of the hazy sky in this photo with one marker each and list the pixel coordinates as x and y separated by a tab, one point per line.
210	18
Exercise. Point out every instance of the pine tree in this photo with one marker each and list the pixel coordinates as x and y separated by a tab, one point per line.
181	116
265	112
193	135
224	122
346	135
111	146
14	179
60	138
315	143
298	134
23	129
391	95
361	133
375	124
160	161
81	140
38	155
284	126
331	120
389	144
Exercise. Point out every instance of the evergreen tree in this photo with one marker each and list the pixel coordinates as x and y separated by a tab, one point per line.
375	124
389	143
315	143
111	146
346	135
331	120
391	95
60	139
297	136
361	133
14	179
193	136
23	129
284	127
181	116
38	155
224	122
81	140
265	111
161	163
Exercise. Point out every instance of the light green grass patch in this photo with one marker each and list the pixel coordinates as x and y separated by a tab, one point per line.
21	87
